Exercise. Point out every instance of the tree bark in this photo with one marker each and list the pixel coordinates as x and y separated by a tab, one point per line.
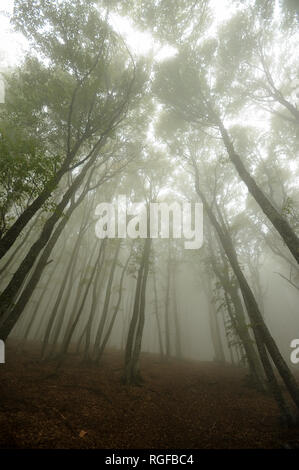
107	300
157	316
131	369
282	226
254	313
116	309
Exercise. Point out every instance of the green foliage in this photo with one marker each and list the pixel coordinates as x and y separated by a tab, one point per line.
67	98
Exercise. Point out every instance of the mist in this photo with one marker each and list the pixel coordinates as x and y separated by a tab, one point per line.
149	248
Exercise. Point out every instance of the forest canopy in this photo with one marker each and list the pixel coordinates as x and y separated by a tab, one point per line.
206	113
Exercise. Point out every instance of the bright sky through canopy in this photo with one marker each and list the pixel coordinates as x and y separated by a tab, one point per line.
13	45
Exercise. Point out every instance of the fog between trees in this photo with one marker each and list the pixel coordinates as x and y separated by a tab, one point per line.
86	119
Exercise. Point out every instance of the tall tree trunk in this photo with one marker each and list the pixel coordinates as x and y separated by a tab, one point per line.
135	376
239	321
214	324
116	309
279	222
38	303
157	316
178	344
69	269
133	346
70	330
7	296
256	318
76	301
17	249
96	294
14	231
105	311
167	326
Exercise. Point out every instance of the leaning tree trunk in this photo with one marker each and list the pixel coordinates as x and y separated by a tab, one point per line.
69	270
14	231
279	222
17	249
36	310
256	318
239	321
70	286
7	296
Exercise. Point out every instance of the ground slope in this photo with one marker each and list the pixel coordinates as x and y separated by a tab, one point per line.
182	404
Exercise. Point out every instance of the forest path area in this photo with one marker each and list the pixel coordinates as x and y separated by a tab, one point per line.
182	404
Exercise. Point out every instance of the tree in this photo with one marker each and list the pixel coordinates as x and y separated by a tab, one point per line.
87	122
75	107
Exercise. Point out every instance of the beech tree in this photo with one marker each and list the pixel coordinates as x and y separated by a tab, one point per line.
213	119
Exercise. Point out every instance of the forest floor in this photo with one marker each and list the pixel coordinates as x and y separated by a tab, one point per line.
182	404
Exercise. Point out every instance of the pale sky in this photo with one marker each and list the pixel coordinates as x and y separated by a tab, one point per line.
140	43
13	45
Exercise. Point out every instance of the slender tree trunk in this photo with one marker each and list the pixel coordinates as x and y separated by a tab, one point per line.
70	331
167	326
178	344
255	315
36	310
53	315
63	310
126	317
214	325
107	300
135	376
96	294
133	346
157	316
239	323
116	309
238	319
14	231
7	296
282	226
17	249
